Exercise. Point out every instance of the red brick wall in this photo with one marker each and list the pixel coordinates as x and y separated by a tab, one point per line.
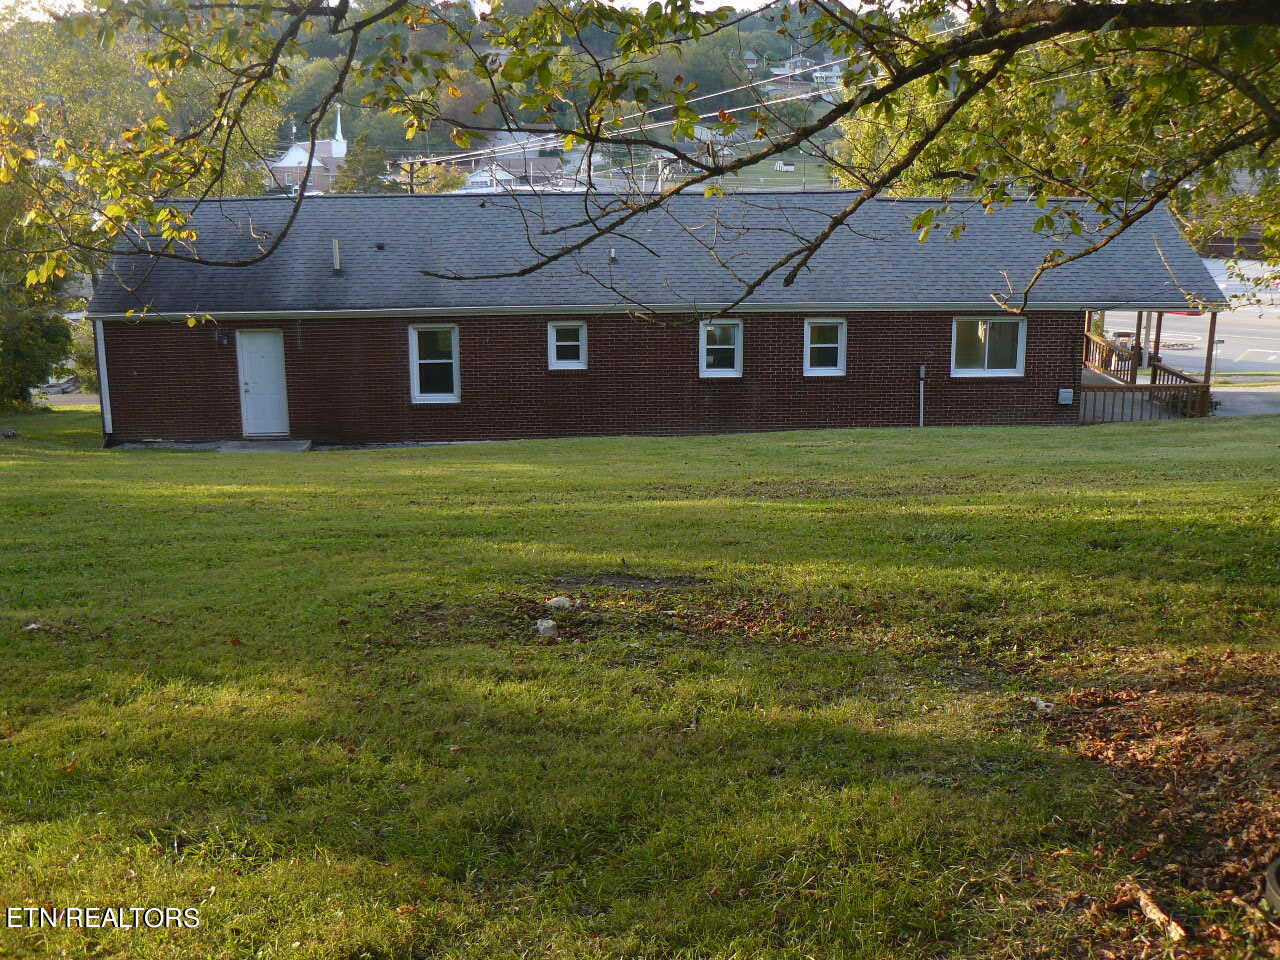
348	380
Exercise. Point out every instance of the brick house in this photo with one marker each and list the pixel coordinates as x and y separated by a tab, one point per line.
319	168
349	334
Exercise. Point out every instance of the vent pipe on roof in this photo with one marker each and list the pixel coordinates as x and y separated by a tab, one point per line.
613	255
337	256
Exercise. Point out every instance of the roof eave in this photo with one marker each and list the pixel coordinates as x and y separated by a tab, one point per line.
509	310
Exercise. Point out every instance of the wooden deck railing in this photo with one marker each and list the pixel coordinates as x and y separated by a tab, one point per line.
1168	375
1109	358
1116	402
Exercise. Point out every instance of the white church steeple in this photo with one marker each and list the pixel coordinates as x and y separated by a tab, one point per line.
339	144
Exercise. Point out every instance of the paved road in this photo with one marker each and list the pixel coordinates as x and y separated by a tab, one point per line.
1251	334
70	399
1251	339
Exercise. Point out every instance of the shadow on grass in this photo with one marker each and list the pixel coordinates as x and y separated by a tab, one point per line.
656	801
1081	543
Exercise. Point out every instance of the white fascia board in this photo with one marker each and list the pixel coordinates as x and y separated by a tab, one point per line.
678	308
104	386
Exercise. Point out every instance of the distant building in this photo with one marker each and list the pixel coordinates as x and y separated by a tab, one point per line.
490	177
752	61
510	172
288	172
793	64
828	82
792	77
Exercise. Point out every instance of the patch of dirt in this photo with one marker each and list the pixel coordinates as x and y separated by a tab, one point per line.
629	581
1197	749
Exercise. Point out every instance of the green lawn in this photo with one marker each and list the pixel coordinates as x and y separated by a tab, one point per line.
763	176
788	718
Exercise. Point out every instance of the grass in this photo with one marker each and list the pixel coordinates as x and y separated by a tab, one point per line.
763	176
1239	378
788	717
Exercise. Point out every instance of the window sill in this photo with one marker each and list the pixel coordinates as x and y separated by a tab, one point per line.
987	374
718	375
824	373
582	369
441	399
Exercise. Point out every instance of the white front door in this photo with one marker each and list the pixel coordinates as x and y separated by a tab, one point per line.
264	405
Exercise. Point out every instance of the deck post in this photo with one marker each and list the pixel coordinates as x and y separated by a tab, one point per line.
1208	363
1208	353
1135	348
1155	347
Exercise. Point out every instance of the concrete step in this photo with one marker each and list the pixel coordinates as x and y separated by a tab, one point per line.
265	446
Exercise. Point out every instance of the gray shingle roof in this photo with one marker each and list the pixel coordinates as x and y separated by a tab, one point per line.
696	251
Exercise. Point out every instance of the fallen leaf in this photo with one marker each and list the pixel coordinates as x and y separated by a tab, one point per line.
1151	910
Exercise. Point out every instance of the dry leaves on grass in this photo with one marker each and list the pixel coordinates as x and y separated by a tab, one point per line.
1198	746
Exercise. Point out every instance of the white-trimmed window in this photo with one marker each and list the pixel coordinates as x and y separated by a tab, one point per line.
433	363
988	346
566	345
720	353
824	348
